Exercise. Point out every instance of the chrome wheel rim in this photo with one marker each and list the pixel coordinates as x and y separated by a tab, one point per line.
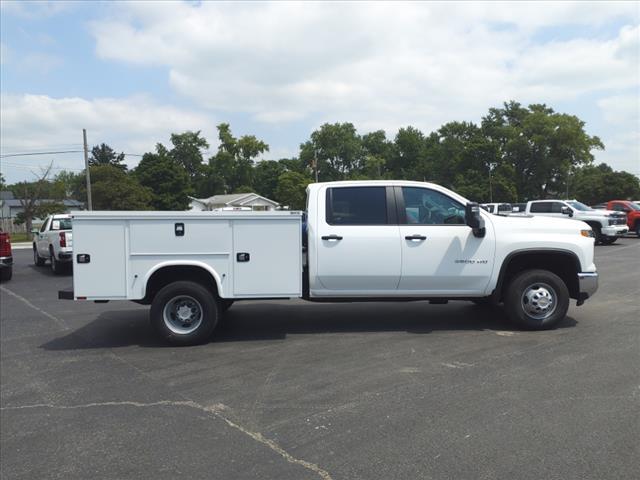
539	301
182	314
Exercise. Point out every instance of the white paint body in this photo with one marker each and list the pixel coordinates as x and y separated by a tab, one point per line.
126	248
603	218
48	239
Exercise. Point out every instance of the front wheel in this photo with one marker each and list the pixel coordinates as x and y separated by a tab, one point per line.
184	313
537	299
6	274
608	240
638	229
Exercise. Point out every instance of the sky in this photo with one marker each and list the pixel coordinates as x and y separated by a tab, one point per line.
132	73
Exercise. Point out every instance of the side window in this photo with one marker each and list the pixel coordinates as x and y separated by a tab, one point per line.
540	207
44	224
357	206
556	207
429	207
618	208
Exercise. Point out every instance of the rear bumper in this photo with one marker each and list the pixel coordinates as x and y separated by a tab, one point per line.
588	285
65	295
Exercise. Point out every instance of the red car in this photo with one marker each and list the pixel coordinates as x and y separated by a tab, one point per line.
631	209
6	258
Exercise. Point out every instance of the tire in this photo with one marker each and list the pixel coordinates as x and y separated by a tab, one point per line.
37	259
638	229
225	305
536	300
598	234
6	274
56	266
608	240
171	319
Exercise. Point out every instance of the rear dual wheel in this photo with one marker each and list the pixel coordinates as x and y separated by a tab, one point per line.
184	313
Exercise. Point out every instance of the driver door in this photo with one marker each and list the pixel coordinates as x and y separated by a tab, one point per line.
440	254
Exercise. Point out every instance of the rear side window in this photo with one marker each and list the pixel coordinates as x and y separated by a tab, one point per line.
540	207
357	206
61	224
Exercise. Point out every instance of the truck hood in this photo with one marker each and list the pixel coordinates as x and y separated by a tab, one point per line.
537	223
603	213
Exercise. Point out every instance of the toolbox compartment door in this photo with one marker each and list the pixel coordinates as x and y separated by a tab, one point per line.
267	258
102	275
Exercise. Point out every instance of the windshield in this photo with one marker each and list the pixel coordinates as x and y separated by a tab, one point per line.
580	206
633	206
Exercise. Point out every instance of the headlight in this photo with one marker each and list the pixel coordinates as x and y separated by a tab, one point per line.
588	233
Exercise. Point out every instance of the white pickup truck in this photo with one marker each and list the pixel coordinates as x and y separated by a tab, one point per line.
54	242
607	225
357	241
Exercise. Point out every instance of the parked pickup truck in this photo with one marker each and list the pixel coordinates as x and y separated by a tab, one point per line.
607	225
631	210
357	241
53	242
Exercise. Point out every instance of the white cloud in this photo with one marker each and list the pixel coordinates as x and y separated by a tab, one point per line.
41	123
381	65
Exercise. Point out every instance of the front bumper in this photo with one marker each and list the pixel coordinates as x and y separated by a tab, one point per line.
587	285
6	262
614	230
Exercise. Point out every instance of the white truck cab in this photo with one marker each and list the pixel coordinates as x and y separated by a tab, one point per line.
607	225
358	241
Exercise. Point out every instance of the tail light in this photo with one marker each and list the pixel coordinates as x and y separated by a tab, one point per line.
5	245
63	239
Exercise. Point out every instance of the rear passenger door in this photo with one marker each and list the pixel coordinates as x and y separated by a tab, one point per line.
359	251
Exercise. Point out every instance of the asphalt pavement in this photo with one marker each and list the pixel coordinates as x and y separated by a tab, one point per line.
295	390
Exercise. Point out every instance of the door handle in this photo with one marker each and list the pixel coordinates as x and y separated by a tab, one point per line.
415	237
331	237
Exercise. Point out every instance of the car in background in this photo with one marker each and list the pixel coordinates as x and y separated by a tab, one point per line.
631	210
54	242
607	225
497	208
6	257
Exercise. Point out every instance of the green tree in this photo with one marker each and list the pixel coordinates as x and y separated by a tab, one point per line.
234	161
543	146
265	177
113	189
597	184
167	181
291	190
103	154
187	152
409	158
337	149
31	194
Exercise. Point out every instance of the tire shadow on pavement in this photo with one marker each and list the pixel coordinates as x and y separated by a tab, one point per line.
265	321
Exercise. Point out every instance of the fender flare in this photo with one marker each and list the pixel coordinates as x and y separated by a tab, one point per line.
497	291
183	263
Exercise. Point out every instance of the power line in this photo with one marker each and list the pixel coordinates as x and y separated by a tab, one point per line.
38	153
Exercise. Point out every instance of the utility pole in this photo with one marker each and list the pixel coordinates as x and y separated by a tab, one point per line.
86	168
315	163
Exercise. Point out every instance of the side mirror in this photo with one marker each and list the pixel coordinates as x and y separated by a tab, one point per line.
473	219
567	211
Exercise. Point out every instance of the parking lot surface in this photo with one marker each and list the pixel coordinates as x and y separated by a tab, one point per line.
295	390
